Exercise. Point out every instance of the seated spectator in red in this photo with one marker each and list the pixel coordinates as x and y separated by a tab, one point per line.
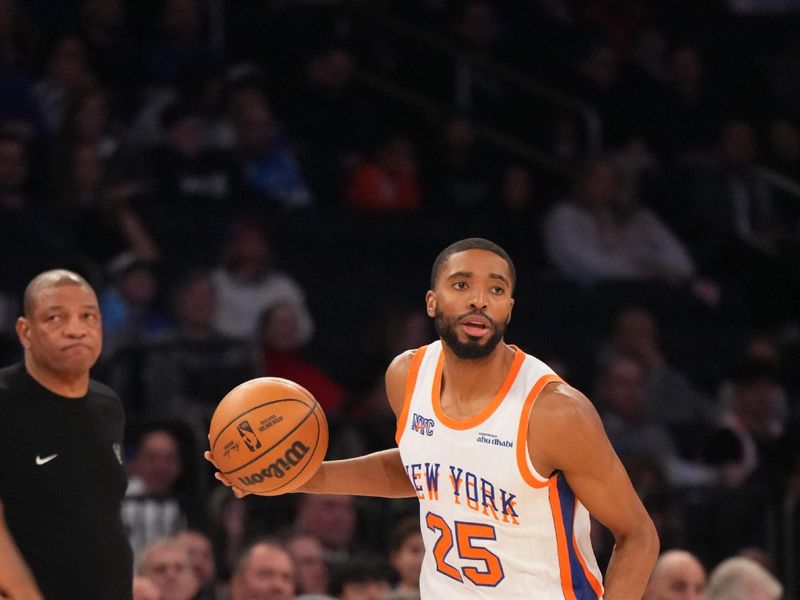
281	345
389	182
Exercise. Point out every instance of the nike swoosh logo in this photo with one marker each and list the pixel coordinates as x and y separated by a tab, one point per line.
46	459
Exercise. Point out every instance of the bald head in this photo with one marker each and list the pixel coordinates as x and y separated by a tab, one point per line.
48	280
678	575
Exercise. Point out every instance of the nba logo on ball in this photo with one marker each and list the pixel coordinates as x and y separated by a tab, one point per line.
250	438
290	444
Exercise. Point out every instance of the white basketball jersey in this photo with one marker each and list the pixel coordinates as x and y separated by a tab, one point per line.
493	527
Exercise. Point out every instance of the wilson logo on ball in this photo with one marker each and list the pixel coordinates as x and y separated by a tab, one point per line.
279	468
250	438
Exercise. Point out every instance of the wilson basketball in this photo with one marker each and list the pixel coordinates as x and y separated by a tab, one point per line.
268	435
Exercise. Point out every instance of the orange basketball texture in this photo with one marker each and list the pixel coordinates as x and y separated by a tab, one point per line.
268	435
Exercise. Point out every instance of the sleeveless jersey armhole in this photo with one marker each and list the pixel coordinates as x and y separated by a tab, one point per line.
528	472
411	383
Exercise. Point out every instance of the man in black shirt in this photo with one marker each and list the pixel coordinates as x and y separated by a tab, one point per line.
61	472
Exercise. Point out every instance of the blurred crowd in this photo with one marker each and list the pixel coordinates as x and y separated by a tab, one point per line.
260	187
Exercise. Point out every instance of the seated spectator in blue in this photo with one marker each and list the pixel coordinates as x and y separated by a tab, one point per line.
268	163
131	314
600	234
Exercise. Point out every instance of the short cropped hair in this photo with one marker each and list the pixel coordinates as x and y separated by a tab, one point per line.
471	244
738	578
359	570
47	280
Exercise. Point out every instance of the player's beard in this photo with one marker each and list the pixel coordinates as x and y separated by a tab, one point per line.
472	349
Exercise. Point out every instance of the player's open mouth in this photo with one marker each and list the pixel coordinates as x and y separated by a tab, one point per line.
474	326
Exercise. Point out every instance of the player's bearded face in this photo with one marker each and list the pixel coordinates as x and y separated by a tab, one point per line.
473	348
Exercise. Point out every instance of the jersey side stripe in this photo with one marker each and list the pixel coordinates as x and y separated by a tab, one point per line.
561	540
596	585
522	432
562	499
411	383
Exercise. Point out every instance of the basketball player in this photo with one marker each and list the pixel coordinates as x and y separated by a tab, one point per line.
507	460
61	473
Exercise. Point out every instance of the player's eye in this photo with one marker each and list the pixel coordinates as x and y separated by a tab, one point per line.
460	285
498	290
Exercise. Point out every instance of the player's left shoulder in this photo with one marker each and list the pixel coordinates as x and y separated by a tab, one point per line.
564	428
562	409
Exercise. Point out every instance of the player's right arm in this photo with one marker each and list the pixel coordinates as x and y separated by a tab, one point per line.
378	474
16	579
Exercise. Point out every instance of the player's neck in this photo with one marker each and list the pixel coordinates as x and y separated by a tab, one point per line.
63	385
470	380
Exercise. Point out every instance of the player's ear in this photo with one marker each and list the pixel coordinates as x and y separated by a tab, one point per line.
430	303
510	309
23	328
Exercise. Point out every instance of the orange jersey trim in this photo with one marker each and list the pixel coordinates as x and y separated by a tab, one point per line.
411	382
522	432
474	421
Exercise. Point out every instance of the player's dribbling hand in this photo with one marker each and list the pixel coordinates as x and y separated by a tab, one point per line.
238	492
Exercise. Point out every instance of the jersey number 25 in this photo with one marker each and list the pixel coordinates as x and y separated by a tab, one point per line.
465	532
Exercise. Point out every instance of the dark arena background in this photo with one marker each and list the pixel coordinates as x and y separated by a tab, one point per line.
260	187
